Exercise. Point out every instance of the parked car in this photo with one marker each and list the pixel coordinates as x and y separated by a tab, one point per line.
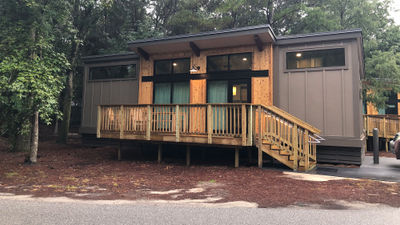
395	145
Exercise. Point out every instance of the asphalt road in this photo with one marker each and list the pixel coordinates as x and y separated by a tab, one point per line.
23	211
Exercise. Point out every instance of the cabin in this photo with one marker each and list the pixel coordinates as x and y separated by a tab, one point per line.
295	98
386	119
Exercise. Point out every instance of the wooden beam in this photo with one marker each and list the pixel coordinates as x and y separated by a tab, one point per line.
258	42
188	155
119	151
236	157
159	157
143	53
196	50
98	135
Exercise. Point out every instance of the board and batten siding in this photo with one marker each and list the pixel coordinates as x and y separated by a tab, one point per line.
327	98
104	92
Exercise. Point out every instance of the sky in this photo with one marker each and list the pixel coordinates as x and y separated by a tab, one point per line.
395	11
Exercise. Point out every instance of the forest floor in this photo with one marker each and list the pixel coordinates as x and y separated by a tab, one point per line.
79	172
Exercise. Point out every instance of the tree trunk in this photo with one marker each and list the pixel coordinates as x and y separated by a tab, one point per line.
64	128
35	138
56	127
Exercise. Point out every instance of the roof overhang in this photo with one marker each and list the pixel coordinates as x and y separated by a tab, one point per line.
110	58
254	35
319	37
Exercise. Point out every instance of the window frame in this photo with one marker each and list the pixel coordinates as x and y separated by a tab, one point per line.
171	91
304	49
172	67
122	63
229	64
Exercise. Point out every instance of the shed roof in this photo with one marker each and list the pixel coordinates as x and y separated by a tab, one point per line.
110	57
206	40
319	36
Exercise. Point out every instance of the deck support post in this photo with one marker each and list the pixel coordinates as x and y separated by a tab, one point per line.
236	157
260	157
159	155
119	151
188	155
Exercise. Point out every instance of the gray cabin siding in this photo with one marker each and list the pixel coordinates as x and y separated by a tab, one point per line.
104	92
327	98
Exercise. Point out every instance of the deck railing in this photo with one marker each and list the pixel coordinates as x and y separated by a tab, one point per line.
388	125
222	124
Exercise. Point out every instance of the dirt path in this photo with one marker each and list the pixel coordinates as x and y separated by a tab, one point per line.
93	173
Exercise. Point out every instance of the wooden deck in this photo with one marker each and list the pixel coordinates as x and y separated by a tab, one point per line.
270	129
388	126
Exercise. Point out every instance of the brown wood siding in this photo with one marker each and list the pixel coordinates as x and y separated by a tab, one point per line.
261	86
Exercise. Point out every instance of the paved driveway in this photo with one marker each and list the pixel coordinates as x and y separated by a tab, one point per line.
388	169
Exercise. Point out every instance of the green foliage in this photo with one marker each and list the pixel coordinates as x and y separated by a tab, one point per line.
31	71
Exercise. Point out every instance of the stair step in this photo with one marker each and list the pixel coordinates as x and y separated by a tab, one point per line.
274	147
283	152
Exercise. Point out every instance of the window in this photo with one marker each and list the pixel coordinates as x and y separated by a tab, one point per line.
219	63
112	72
171	66
315	59
171	93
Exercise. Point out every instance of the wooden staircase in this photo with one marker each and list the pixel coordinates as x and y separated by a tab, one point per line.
286	138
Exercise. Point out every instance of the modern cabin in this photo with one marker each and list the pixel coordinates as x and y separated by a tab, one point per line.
386	119
294	98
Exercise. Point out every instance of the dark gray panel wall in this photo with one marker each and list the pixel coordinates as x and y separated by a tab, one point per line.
327	98
105	92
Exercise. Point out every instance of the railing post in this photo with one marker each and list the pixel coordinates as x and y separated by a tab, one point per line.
295	148
259	127
121	122
250	123
259	144
177	123
98	121
384	127
209	123
244	132
366	125
306	151
148	127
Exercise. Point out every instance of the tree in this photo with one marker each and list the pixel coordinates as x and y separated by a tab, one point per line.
30	68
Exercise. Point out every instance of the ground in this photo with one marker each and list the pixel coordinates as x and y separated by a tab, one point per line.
75	171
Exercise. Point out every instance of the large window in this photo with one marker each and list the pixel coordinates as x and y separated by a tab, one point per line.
172	66
315	59
171	93
112	72
220	63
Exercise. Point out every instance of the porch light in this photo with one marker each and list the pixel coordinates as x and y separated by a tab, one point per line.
244	59
194	69
298	55
174	64
234	91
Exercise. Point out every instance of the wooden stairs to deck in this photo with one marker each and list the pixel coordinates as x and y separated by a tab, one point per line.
286	158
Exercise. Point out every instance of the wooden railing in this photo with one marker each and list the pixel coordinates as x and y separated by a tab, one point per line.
221	124
293	137
388	125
